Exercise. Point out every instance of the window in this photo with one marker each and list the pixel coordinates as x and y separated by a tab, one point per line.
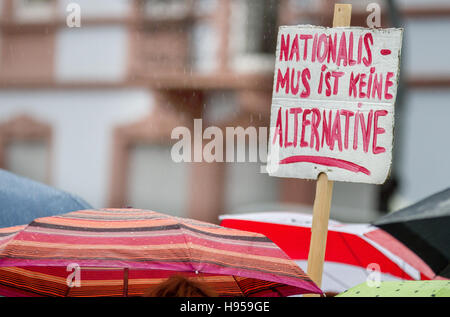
204	43
144	176
25	148
205	6
247	187
27	158
253	34
260	26
34	10
166	8
155	182
91	53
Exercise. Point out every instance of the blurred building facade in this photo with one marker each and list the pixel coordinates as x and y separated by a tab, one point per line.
91	109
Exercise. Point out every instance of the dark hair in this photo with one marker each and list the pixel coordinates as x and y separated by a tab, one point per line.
180	286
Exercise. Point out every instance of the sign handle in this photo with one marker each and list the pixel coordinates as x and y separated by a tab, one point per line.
324	189
319	228
342	15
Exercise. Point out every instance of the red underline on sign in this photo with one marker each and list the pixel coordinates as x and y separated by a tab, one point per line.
327	161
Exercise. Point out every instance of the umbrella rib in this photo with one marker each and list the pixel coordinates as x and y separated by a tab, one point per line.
402	268
275	290
350	249
181	228
125	282
238	285
67	292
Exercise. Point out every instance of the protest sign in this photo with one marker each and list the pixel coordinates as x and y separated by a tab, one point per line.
333	103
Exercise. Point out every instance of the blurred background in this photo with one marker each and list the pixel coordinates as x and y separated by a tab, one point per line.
90	109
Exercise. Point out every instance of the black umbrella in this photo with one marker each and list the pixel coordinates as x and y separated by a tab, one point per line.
425	228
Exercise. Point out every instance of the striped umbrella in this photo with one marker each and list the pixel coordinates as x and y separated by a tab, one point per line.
353	251
124	252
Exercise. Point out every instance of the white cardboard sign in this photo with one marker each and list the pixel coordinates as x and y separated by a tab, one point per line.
333	103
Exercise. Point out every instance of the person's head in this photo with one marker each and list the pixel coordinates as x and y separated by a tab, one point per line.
180	286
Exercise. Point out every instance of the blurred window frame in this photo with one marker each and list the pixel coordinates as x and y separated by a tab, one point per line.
246	22
26	128
32	11
155	129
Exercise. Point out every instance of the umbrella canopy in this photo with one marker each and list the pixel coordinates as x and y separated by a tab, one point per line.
424	228
126	251
351	248
400	289
22	200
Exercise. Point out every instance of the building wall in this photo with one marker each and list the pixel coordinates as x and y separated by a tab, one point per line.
425	150
421	129
82	123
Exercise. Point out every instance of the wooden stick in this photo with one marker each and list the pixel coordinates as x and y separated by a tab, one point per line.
324	189
342	15
319	228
